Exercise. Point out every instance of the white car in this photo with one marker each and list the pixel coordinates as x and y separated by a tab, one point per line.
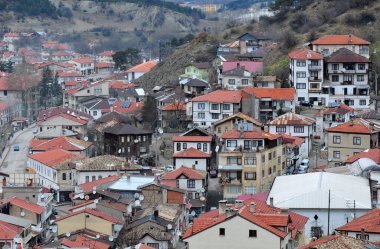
304	166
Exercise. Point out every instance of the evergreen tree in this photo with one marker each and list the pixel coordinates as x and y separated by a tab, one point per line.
46	85
149	112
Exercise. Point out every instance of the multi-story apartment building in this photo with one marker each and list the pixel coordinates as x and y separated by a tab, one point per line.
306	74
236	78
85	66
249	161
328	44
347	78
267	103
350	138
214	106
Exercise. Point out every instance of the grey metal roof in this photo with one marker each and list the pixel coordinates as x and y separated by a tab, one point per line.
21	222
125	129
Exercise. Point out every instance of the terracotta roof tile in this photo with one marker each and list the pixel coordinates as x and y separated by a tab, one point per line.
373	154
292	119
341	109
345	55
191	153
353	126
106	53
220	96
339	241
249	135
192	138
143	67
305	54
84	60
242	116
103	65
94	213
188	172
81	205
65	143
175	107
291	141
133	107
339	40
8	231
32	207
272	93
369	221
87	187
85	242
53	158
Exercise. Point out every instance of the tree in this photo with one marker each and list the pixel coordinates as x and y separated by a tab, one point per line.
128	57
149	112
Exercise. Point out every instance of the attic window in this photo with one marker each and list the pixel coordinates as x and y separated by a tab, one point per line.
253	233
222	231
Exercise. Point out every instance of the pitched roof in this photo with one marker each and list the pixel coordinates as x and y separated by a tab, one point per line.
86	242
272	93
369	221
292	119
106	53
177	106
249	135
340	40
69	74
239	71
8	231
66	116
241	115
84	60
220	96
250	66
341	109
94	213
305	54
87	187
192	138
196	83
188	172
32	207
65	143
373	154
143	67
122	129
191	153
291	141
54	157
345	55
103	65
356	126
201	65
61	110
127	106
339	241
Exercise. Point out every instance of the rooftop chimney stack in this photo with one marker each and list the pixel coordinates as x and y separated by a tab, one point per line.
222	206
362	233
371	126
252	207
239	204
271	202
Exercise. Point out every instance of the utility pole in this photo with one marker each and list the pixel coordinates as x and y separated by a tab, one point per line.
328	216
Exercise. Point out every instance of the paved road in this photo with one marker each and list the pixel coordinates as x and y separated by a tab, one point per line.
15	161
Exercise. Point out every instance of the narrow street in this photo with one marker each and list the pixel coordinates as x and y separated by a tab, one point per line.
15	161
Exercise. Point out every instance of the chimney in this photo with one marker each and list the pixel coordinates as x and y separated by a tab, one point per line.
371	126
241	132
222	206
193	166
4	182
362	233
349	38
351	122
238	64
271	201
239	204
252	207
231	212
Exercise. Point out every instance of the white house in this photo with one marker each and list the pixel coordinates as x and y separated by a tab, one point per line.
139	70
63	121
295	125
214	106
321	195
85	65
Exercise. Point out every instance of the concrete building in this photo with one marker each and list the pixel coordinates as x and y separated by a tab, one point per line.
139	70
85	66
230	123
236	78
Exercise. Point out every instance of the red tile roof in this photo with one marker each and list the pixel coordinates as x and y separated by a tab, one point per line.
62	53
133	107
369	221
249	135
143	67
220	96
94	213
67	116
55	157
104	65
106	53
85	242
175	107
120	85
292	119
84	60
353	126
305	54
69	74
87	187
373	154
8	231
345	55
340	40
188	172
65	143
81	205
291	141
192	138
191	153
32	207
272	93
341	109
71	83
339	241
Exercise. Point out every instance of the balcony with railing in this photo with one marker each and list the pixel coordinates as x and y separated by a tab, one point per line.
230	167
347	82
242	149
315	79
315	67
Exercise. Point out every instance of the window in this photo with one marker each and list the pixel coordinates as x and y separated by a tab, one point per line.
269	171
301	64
298	129
231	143
234	160
314	74
87	179
336	139
215	115
142	149
250	160
5	92
244	81
274	154
178	146
359	236
262	173
214	107
301	74
64	176
226	106
199	146
204	147
336	154
250	175
231	81
280	128
335	66
249	190
279	160
362	102
201	115
93	178
95	113
361	66
252	233
314	85
263	158
154	245
360	78
219	129
100	177
177	183
335	78
357	141
301	85
269	156
184	146
201	106
191	183
222	231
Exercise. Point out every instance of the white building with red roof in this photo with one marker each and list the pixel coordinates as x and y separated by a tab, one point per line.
209	108
246	224
306	74
84	65
139	70
105	56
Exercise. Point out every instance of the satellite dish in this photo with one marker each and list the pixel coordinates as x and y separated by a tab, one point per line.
22	213
81	196
110	238
68	234
85	139
137	195
169	226
94	190
193	213
118	227
98	236
160	130
129	209
141	198
137	203
202	198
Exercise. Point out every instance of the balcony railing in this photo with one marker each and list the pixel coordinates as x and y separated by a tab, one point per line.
241	149
315	90
266	107
350	82
315	79
315	67
230	167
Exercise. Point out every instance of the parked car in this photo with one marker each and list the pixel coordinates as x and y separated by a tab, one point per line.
213	173
16	148
306	103
304	166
